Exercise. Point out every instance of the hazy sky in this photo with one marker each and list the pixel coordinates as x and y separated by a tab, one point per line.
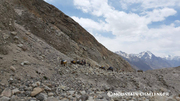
131	26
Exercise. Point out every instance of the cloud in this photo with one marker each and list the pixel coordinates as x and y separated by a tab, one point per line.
122	23
119	22
165	39
95	7
150	4
90	24
131	30
177	21
83	5
160	14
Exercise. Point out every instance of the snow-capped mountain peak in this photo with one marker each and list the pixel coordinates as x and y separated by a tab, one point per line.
147	60
145	54
122	54
171	57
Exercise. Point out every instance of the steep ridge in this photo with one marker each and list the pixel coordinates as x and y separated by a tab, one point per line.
48	23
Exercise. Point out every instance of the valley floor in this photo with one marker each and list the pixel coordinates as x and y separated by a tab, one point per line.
74	82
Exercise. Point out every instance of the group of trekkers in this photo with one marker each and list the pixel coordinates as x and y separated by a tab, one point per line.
80	62
83	62
110	68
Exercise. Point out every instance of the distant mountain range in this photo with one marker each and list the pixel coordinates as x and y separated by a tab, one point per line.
147	60
173	60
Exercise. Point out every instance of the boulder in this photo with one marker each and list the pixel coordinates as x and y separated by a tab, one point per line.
84	97
4	98
50	94
51	99
15	91
13	68
14	33
6	92
36	91
41	97
25	63
15	98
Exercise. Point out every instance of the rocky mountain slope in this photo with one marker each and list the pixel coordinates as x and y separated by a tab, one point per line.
57	30
35	36
145	60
